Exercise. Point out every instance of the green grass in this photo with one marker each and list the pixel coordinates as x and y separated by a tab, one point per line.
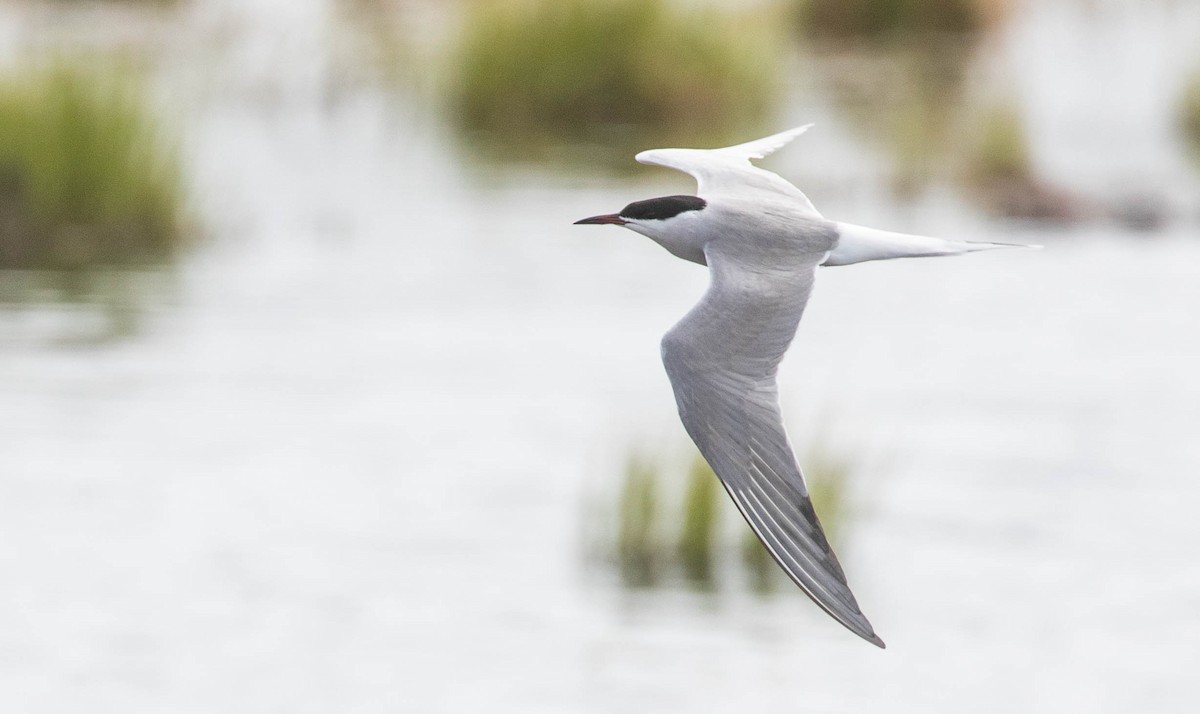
762	572
86	178
153	3
909	102
1189	115
1001	152
895	20
701	514
577	70
999	174
640	551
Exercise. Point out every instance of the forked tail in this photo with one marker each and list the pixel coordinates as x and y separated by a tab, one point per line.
857	244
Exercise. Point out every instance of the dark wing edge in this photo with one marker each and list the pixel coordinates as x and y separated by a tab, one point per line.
796	541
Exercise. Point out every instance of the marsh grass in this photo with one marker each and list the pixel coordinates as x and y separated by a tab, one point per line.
151	3
546	72
896	20
906	100
1189	115
701	516
1001	151
86	177
658	499
763	575
999	172
898	71
640	545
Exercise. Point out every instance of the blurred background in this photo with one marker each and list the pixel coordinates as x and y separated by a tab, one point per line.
312	399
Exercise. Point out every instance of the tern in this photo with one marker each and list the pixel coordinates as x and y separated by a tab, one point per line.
762	241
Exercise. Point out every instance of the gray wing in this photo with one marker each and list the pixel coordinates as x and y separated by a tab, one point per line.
722	358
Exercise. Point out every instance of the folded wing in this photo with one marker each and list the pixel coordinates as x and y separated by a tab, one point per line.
729	171
722	359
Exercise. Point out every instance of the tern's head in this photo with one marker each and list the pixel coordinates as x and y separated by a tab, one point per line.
654	216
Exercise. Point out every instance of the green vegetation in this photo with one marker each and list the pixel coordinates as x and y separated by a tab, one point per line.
999	173
908	101
86	178
900	74
700	521
1189	114
119	2
892	20
645	557
561	71
1001	154
639	541
762	571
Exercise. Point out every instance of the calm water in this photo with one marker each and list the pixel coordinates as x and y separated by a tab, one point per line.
338	459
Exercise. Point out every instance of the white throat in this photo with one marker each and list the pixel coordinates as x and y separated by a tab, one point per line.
683	235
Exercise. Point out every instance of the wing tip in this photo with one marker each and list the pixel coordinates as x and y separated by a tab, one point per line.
764	147
793	132
863	629
645	157
849	615
670	158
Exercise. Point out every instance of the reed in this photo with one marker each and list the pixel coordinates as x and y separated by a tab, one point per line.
896	20
578	70
1000	154
999	174
86	177
640	546
701	522
1189	115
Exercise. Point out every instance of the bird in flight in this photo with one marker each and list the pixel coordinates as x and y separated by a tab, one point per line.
762	241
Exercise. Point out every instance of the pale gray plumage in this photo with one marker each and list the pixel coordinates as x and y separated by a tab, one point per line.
722	359
762	240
